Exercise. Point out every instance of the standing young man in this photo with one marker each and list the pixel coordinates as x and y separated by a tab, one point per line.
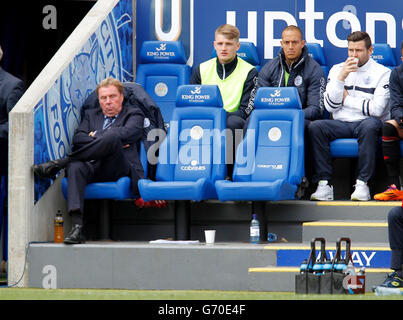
357	96
235	78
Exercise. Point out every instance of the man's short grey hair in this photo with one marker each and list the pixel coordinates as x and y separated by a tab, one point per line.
1	53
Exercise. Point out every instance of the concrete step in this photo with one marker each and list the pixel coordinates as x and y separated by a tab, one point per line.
357	231
145	266
272	278
149	266
302	210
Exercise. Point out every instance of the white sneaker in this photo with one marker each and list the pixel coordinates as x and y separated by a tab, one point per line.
361	192
323	192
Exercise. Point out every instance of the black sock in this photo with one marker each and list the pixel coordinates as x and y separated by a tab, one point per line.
391	153
76	218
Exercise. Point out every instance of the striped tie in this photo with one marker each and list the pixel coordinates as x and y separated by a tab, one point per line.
108	122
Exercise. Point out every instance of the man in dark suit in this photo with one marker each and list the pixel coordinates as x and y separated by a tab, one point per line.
104	149
11	90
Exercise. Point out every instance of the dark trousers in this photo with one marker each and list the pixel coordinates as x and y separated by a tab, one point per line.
395	229
234	123
322	132
101	160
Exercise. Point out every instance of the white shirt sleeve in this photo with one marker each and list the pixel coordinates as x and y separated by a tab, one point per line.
333	96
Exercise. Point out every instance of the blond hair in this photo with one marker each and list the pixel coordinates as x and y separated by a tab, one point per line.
228	31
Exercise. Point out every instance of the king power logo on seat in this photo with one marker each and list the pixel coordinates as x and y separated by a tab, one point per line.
162	47
196	95
161	52
276	99
276	93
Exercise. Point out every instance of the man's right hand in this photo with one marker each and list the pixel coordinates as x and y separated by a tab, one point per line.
350	65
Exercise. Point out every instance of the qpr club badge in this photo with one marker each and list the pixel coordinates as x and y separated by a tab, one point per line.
298	81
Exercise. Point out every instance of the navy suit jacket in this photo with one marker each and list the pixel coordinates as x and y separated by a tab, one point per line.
11	90
128	126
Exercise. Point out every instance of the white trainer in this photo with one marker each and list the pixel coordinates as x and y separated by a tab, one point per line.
361	192
323	191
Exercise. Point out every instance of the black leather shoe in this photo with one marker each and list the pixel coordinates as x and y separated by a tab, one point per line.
75	236
48	170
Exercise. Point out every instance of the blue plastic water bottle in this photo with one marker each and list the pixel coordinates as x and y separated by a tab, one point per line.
327	266
318	268
254	230
304	266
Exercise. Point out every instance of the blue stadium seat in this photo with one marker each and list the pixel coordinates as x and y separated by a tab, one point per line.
383	54
269	162
112	190
348	148
344	148
316	52
192	156
162	69
248	52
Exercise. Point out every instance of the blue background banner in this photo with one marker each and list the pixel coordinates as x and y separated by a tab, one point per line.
324	22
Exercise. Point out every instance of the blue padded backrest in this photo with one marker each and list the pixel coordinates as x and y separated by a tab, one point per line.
273	150
247	51
161	70
270	147
274	138
277	98
199	96
195	144
195	154
383	54
162	52
316	52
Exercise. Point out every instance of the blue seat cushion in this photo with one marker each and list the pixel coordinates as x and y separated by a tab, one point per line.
114	190
344	148
198	190
255	191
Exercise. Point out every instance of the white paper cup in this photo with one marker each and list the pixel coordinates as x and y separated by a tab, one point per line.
210	236
356	61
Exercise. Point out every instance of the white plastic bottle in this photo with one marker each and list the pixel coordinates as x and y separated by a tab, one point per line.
254	230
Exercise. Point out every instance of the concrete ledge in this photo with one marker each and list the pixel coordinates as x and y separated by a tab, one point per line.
366	231
223	266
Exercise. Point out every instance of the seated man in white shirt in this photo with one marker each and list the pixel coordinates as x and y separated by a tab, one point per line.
357	96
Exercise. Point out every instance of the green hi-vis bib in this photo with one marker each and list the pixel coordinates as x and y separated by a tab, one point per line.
231	88
287	75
